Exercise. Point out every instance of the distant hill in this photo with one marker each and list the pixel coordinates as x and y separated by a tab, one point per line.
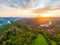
31	21
7	20
41	20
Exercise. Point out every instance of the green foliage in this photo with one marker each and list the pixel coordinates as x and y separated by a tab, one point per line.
53	42
40	40
17	34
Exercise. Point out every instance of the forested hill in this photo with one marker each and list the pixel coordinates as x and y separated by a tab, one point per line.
19	33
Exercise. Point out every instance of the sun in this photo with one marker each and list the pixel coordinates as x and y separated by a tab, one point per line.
45	15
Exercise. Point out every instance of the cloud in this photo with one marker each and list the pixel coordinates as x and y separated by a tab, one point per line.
33	4
28	7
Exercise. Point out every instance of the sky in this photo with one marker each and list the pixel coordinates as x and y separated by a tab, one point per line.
29	8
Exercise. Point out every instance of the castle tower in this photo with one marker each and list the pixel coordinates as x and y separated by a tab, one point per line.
50	23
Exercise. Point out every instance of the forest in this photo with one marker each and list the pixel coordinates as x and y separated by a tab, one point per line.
20	33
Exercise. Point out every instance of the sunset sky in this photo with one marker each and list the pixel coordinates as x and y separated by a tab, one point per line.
29	8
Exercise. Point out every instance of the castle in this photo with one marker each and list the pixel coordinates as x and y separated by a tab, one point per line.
47	24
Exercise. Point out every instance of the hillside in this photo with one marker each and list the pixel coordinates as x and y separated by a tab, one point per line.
19	33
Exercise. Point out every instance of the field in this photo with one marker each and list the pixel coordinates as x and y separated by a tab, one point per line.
40	40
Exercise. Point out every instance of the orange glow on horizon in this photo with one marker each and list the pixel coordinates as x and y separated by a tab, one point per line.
45	15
